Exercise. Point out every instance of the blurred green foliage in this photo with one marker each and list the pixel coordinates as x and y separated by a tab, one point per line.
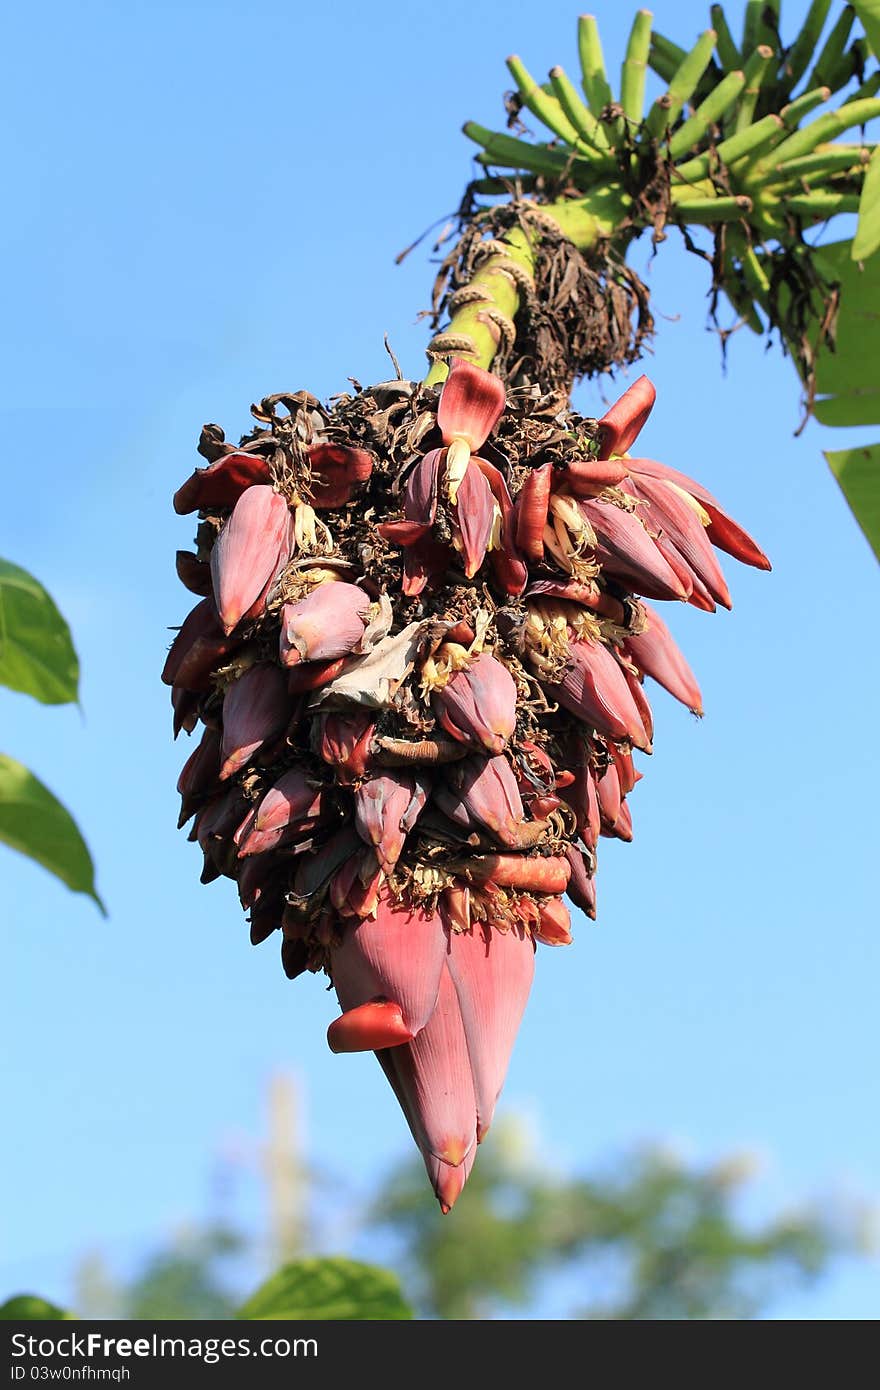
647	1237
650	1237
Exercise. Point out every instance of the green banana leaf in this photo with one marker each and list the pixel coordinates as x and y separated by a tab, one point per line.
868	12
29	1307
858	472
848	381
867	239
37	655
33	821
331	1288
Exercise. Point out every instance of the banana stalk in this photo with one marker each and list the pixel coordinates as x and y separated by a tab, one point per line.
494	292
475	328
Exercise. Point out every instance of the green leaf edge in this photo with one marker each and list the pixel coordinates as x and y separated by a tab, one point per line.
267	1303
16	576
867	237
868	12
30	1307
89	890
863	460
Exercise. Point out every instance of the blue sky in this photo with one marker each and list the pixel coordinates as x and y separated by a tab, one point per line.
206	204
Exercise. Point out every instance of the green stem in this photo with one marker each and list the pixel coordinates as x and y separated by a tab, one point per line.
473	331
755	72
706	211
632	76
827	128
822	204
822	163
726	46
546	108
805	44
738	294
581	117
748	142
594	80
510	153
488	304
706	114
833	49
664	56
753	271
666	110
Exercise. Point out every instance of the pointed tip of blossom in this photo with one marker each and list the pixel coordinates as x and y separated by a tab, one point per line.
449	1180
449	1188
472	402
199	646
657	654
621	425
475	515
724	532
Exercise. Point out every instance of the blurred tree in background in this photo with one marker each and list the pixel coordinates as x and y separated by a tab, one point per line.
647	1237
